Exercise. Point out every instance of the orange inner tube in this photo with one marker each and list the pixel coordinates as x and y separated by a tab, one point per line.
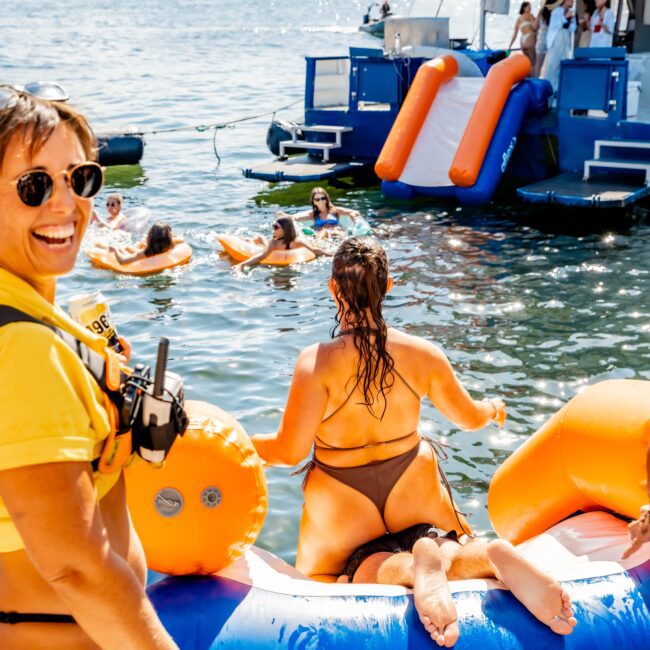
241	249
103	259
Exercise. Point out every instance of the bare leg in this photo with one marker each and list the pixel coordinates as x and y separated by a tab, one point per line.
466	562
424	572
542	596
432	596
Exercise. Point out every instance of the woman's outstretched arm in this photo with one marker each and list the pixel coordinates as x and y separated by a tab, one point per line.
301	418
251	261
314	249
126	258
346	212
308	215
451	398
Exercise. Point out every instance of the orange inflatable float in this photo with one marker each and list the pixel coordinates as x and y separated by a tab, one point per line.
205	507
474	144
241	249
590	455
404	132
103	259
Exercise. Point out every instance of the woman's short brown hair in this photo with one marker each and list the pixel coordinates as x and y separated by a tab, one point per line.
34	119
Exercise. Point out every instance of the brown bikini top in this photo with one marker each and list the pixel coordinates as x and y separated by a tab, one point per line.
321	444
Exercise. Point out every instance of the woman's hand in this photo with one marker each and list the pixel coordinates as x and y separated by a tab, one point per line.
639	531
125	355
498	411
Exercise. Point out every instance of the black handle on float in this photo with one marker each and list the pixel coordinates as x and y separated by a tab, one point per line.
161	367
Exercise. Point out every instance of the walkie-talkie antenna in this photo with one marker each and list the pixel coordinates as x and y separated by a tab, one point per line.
161	367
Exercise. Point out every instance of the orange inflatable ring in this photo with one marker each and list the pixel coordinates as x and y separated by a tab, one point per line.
241	249
404	132
103	259
474	144
590	455
205	507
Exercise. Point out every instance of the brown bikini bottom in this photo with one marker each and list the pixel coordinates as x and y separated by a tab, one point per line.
376	480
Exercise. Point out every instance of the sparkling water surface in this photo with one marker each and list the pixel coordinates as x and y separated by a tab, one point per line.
529	306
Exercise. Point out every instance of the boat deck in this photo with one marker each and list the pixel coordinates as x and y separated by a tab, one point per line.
569	189
299	169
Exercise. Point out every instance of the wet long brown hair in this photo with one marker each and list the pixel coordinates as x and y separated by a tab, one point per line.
360	274
159	239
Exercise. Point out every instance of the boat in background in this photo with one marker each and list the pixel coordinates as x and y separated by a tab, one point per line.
373	25
588	147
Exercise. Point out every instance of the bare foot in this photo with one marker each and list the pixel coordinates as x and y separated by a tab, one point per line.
542	596
432	596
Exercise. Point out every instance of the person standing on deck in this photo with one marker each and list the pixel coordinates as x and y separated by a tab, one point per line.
602	25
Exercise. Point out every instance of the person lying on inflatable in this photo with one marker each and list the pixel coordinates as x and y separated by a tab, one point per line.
159	240
284	237
115	219
423	558
324	215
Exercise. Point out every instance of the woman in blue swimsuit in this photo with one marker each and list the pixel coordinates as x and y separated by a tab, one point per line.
324	215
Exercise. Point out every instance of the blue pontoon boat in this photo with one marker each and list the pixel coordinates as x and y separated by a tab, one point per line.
589	147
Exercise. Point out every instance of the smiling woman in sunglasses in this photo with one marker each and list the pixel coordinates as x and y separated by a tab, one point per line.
284	237
72	571
323	213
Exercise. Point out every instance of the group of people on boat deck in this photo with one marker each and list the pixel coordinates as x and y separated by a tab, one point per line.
549	37
72	570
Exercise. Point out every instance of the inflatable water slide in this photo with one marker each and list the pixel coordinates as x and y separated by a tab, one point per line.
454	134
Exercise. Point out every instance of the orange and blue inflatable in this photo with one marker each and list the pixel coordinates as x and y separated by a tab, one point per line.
457	146
589	456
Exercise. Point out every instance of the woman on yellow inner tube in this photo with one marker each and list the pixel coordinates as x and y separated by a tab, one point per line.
72	571
356	400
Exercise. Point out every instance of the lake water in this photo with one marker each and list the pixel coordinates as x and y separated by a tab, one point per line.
527	306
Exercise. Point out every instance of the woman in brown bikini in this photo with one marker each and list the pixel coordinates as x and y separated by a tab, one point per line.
356	400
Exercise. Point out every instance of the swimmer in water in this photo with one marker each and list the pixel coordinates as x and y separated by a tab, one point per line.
284	238
159	240
324	215
116	218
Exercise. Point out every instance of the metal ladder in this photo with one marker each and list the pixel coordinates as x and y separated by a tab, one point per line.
326	147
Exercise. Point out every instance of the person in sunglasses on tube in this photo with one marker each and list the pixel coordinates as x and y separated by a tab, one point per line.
72	571
115	218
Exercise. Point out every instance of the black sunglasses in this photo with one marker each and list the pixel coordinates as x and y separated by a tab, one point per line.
320	198
37	186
